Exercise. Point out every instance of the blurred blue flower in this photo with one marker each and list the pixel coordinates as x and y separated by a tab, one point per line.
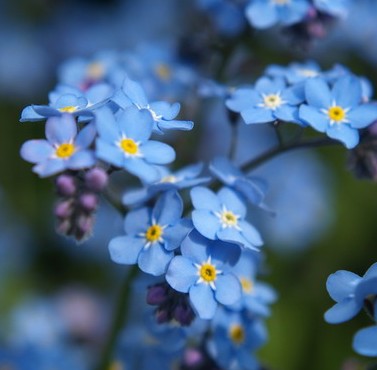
264	14
63	149
336	8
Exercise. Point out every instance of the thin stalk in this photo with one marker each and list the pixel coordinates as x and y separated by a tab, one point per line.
269	154
119	319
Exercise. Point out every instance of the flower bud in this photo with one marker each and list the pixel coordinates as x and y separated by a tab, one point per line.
156	295
88	201
65	185
96	179
63	209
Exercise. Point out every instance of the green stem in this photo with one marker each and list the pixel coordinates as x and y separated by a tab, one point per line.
269	154
119	318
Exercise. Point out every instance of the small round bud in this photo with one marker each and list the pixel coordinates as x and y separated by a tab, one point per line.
88	201
96	179
193	357
65	185
156	295
162	316
63	209
184	314
64	227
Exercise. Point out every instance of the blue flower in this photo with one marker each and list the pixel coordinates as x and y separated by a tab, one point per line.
336	8
339	111
256	296
235	337
222	217
349	291
203	271
65	99
163	113
63	149
365	340
124	142
268	101
264	14
181	179
251	188
152	235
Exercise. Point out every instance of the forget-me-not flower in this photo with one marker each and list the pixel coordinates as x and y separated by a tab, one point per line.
64	148
152	235
124	142
203	270
337	111
221	216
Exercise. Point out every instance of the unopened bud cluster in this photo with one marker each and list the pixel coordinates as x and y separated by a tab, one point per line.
77	205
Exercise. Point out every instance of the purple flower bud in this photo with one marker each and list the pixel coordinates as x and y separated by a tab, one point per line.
88	201
96	179
63	209
156	295
64	227
184	314
373	129
162	316
65	185
316	30
84	224
192	357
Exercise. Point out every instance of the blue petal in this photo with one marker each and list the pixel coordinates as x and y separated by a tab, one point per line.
203	198
203	301
155	259
224	254
347	92
181	274
134	92
190	171
81	159
250	233
363	116
313	117
206	223
232	201
342	284
137	221
61	129
342	311
136	197
136	124
228	289
86	136
98	93
174	235
50	167
166	110
109	153
168	209
70	100
125	249
261	14
35	151
317	93
231	235
138	167
195	247
175	125
29	114
242	99
257	115
47	111
158	153
366	287
106	125
121	99
287	113
365	341
347	135
372	271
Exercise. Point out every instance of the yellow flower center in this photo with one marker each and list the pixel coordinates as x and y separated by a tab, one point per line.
170	179
68	109
65	150
337	114
154	233
95	71
129	146
307	72
163	71
208	272
247	285
272	101
237	334
228	218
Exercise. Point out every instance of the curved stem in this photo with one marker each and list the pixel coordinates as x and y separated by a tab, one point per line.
119	318
269	154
